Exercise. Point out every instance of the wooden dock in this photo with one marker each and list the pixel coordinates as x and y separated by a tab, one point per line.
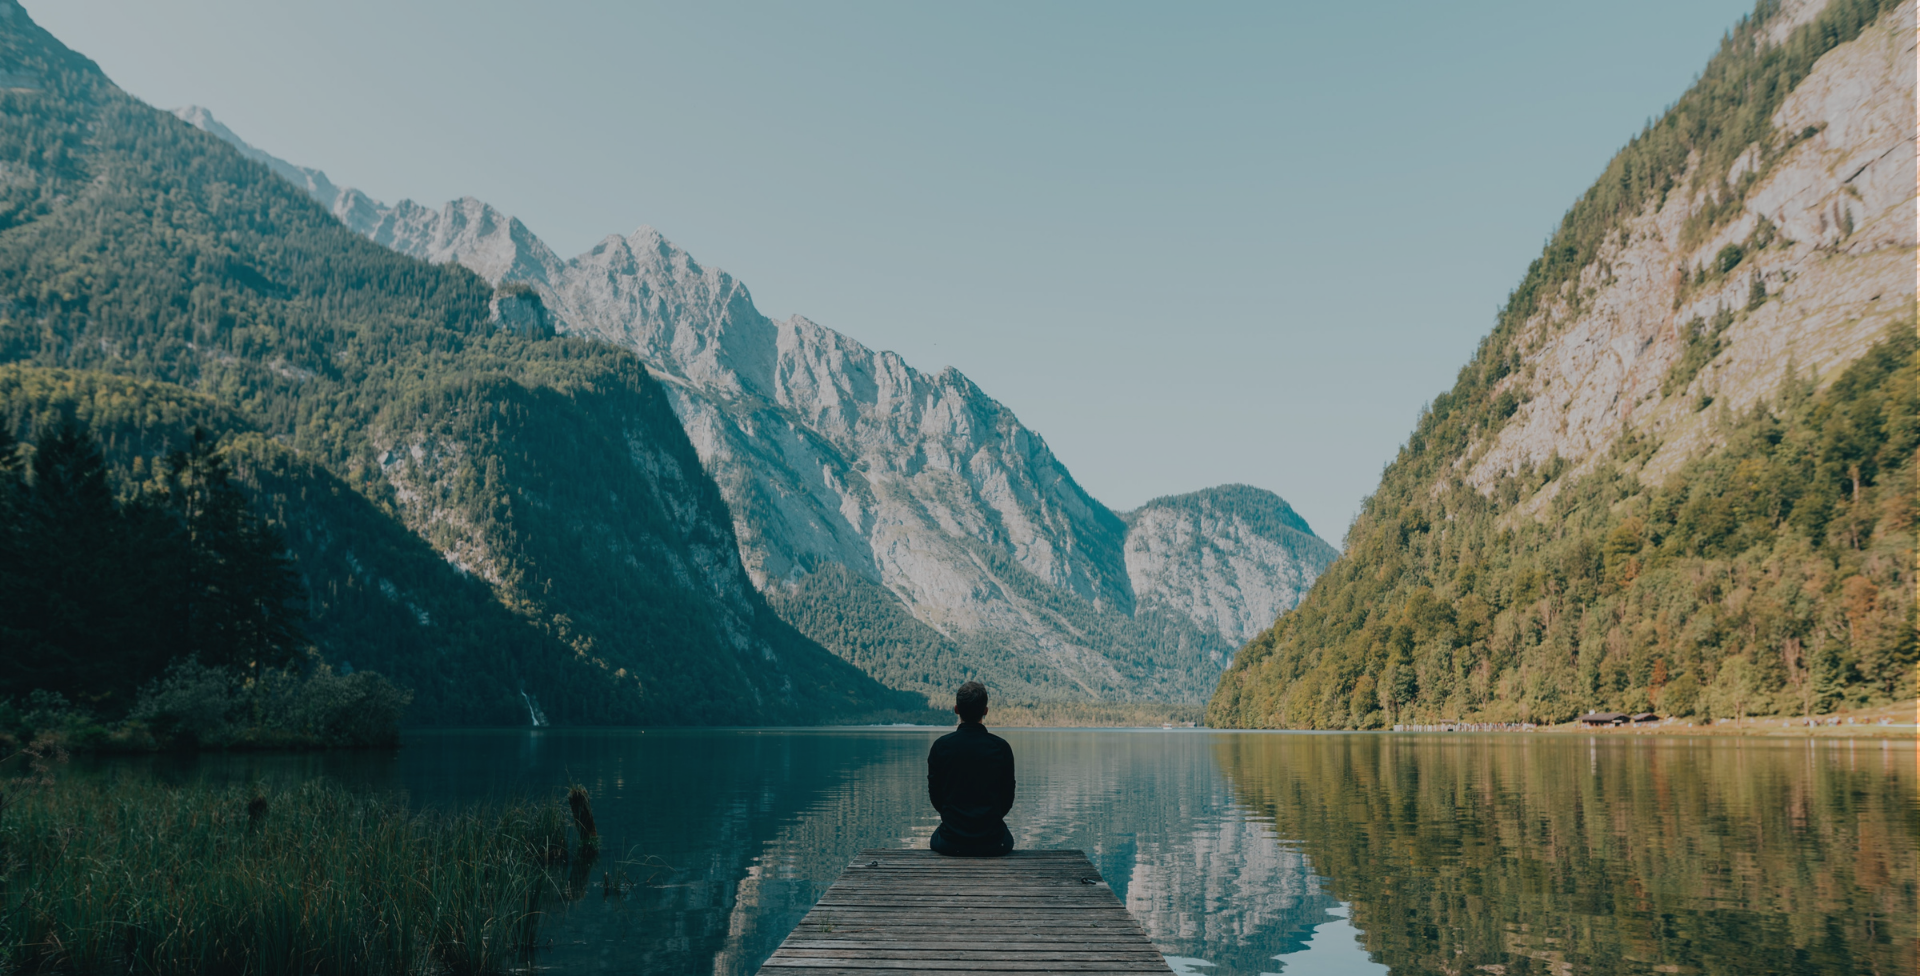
899	911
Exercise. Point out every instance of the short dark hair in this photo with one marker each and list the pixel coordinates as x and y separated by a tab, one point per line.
970	702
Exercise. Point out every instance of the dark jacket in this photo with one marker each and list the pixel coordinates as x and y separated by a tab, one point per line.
970	781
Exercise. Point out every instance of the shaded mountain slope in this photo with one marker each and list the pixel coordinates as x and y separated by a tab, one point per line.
1679	473
552	469
377	596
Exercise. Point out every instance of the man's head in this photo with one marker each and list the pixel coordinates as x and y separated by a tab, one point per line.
970	702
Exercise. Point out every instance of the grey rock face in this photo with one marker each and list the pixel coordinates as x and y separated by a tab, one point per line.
828	452
1827	226
518	309
1232	558
491	244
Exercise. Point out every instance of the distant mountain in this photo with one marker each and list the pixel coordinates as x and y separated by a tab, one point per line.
856	480
492	515
1679	474
1233	557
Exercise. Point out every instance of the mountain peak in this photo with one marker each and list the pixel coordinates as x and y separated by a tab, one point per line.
202	118
1233	557
1258	505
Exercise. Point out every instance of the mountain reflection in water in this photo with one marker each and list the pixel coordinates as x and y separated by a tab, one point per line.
1235	851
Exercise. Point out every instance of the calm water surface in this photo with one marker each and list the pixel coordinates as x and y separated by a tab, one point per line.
1240	853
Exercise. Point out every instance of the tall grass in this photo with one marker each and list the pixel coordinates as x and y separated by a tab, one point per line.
145	878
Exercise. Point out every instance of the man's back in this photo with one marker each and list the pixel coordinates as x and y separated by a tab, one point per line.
970	781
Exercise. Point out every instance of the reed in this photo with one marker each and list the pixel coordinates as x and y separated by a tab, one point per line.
141	877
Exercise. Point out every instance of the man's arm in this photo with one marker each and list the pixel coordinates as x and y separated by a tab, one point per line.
1004	801
934	792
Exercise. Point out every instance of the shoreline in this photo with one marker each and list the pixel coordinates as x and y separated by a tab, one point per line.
1898	720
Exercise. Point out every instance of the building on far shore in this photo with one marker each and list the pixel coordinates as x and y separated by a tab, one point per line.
1597	719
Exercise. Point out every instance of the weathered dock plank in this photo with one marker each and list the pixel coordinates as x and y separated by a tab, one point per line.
901	912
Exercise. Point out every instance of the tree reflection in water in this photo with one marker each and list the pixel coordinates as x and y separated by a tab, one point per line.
1548	854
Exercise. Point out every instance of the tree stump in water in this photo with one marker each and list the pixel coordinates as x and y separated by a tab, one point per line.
583	821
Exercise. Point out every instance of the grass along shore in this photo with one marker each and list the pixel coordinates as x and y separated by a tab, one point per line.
140	877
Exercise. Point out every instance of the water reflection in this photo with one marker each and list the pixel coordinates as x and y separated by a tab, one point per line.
1606	855
1236	851
1334	950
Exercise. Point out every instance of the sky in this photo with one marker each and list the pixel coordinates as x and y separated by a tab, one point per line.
1189	244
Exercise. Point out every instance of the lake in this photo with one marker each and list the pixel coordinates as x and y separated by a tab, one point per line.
1239	852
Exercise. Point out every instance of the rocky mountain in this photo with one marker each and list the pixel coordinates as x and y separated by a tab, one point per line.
491	514
1806	237
1233	558
1679	472
855	479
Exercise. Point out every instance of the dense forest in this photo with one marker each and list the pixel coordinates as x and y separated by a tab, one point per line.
150	604
98	595
492	516
1774	574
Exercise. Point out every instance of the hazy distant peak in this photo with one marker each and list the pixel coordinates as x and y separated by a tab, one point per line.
202	119
645	246
307	178
646	236
645	239
1232	557
1258	505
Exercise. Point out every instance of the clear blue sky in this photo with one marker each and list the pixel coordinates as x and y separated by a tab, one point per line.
1189	244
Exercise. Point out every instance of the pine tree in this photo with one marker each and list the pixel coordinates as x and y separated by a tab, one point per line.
1829	679
243	606
89	585
13	556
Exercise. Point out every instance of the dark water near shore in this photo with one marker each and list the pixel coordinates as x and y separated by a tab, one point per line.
1240	853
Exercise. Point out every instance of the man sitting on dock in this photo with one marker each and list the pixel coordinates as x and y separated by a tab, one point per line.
970	781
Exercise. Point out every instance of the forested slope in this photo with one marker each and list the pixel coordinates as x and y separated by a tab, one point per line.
372	595
475	509
1679	474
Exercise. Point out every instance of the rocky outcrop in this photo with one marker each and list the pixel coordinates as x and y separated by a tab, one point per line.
491	244
1810	270
831	453
1233	558
519	310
